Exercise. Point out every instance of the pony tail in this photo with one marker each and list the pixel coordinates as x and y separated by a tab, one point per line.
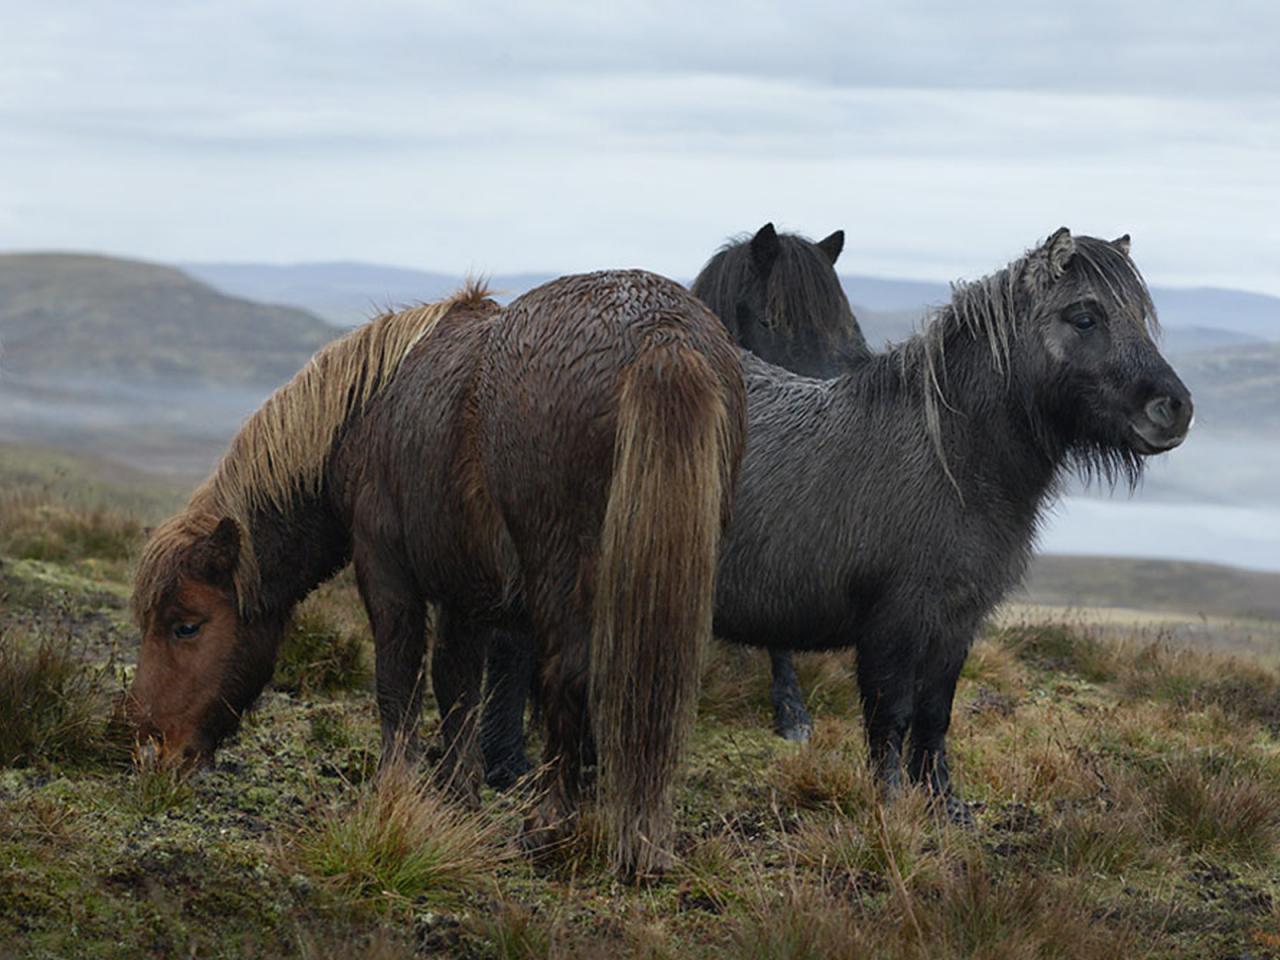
675	456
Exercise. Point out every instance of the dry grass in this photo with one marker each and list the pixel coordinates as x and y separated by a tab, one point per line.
402	842
321	655
33	528
52	704
1216	804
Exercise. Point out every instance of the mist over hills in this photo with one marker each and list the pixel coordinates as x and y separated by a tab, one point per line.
72	314
142	360
346	293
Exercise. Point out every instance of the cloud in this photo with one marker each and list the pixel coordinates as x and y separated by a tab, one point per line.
569	137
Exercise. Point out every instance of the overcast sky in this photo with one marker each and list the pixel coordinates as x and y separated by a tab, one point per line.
562	137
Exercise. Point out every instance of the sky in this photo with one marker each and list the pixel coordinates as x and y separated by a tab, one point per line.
558	137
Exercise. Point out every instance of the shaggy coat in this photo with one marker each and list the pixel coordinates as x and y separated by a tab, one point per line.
892	508
561	467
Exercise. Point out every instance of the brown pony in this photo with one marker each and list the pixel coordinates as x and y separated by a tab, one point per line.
564	465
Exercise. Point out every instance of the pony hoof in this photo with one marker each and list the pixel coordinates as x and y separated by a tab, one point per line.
504	776
958	812
542	832
796	732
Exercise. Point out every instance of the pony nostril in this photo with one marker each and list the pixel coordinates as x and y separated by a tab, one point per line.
1163	411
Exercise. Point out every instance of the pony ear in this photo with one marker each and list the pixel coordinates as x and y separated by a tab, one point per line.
765	248
832	245
1122	244
220	551
1048	262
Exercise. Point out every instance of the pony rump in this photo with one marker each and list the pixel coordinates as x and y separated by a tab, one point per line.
279	455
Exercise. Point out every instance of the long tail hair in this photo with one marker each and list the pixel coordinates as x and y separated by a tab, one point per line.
674	465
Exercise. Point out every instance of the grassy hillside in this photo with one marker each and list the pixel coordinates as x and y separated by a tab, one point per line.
1123	793
108	319
1198	589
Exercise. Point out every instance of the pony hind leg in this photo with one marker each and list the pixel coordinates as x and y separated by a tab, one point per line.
565	635
457	674
509	673
791	720
397	614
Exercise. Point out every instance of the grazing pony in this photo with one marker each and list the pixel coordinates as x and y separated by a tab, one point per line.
562	467
778	294
892	508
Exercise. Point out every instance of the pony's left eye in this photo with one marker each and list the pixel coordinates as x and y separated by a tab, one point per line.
1082	318
185	631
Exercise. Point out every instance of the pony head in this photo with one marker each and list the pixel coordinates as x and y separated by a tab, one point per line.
1093	366
199	662
779	295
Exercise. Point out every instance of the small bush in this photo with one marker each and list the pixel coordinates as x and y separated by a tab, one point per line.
319	655
403	841
51	702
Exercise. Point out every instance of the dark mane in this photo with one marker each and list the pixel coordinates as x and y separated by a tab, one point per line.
804	293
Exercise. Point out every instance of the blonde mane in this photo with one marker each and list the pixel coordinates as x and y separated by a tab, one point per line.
279	455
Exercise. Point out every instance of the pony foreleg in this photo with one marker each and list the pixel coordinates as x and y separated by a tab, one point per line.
887	671
457	673
791	720
397	614
928	760
510	675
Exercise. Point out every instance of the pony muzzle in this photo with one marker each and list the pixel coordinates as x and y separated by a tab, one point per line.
1164	422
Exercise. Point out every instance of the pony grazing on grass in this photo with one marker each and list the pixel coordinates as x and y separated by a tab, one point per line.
892	508
562	467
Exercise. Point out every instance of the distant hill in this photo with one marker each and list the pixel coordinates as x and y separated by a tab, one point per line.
346	293
1238	388
1191	588
71	315
889	309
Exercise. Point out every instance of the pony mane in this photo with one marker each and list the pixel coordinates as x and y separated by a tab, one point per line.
810	298
994	308
279	456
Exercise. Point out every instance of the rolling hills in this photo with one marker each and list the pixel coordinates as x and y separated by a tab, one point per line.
68	315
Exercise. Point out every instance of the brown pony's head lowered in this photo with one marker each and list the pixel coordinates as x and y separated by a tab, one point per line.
187	610
210	609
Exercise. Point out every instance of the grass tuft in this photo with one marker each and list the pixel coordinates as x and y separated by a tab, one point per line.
1061	647
1214	804
321	655
51	701
401	842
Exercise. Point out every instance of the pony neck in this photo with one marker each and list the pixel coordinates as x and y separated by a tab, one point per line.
293	552
988	435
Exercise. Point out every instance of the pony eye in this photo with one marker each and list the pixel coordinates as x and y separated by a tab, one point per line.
185	631
1082	318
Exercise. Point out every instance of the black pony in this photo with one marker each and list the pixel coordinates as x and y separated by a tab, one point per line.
892	508
779	296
